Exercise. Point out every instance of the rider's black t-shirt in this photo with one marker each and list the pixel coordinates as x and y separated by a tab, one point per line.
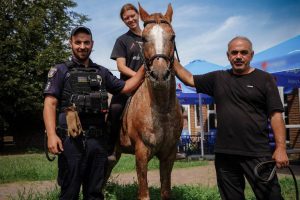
244	104
129	46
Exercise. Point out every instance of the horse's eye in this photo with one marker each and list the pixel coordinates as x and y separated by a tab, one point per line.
172	38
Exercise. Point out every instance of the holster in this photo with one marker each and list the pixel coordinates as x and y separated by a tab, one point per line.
91	132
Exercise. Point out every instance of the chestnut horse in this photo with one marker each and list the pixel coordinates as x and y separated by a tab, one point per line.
152	122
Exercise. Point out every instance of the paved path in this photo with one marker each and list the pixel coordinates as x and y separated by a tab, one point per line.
204	175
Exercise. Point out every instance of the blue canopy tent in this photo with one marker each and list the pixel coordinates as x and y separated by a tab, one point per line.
188	95
283	61
284	48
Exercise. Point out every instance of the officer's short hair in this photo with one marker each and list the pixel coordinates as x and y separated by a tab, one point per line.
81	29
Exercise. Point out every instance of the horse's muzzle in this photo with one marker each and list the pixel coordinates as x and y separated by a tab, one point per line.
161	76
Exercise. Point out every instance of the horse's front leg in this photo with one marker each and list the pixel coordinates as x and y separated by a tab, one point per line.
142	157
165	169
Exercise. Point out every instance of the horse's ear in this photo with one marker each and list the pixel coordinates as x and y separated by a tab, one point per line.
169	13
143	13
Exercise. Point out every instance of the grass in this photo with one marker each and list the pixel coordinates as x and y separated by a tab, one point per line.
128	192
185	192
35	167
28	167
127	164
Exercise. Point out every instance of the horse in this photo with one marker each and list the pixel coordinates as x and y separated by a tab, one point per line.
152	122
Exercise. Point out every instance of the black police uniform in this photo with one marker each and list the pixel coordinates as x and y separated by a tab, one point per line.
84	159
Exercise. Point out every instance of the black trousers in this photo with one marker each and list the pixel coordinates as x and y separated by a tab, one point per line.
82	165
231	172
117	105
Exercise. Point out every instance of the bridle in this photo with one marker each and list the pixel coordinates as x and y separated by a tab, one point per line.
170	59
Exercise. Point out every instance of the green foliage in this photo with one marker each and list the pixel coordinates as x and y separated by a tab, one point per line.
33	38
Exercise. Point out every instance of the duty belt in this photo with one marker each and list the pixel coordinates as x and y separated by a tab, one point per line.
91	132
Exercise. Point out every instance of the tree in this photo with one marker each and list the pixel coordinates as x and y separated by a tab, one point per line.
33	37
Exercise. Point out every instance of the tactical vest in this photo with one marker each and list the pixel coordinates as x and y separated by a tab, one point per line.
86	90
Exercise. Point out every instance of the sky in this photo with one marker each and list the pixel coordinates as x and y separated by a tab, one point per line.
203	28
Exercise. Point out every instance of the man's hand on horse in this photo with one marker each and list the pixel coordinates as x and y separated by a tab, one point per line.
73	122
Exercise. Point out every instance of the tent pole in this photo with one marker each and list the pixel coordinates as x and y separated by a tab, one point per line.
281	93
201	125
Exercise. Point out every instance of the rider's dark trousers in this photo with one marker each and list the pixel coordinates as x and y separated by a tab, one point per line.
231	172
82	165
117	105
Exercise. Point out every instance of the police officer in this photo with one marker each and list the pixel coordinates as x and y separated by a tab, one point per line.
81	85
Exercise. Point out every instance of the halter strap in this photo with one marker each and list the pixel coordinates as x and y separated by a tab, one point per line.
148	62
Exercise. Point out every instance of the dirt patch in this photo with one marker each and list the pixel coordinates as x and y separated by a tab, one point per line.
204	175
14	189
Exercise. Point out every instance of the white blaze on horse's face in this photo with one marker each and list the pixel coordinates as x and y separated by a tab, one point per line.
156	35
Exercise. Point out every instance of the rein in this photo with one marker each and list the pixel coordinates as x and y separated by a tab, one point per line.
272	174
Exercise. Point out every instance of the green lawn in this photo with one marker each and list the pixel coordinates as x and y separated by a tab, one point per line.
34	167
185	192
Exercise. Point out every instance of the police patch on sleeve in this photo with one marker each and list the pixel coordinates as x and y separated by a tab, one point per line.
52	72
48	85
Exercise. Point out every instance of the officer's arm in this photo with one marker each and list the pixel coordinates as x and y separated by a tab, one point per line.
133	83
121	64
278	127
49	114
184	75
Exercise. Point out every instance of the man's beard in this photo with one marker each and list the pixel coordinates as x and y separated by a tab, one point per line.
241	69
80	58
